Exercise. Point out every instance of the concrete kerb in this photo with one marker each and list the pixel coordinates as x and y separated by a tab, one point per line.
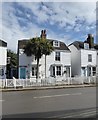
45	88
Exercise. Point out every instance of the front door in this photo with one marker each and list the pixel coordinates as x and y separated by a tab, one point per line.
22	73
89	71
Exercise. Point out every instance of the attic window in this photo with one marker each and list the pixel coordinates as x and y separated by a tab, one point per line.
86	46
56	44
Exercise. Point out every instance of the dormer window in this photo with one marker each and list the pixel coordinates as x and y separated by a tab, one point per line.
56	44
86	46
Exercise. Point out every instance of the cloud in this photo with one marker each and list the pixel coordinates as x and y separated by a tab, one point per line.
62	20
63	13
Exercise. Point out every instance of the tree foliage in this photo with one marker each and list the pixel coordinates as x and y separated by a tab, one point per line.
38	47
13	58
12	63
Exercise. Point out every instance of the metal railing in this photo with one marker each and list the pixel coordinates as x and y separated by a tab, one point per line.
51	81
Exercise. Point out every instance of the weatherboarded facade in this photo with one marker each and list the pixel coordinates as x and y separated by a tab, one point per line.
3	59
58	63
84	57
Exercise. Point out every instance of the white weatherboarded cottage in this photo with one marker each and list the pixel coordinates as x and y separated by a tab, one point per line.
3	59
84	57
58	63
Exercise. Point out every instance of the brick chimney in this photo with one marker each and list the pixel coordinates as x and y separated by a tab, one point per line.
43	34
90	40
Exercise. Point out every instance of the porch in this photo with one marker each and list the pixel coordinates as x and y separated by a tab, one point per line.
59	70
88	71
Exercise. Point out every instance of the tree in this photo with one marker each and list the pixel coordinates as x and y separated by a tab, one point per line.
38	47
12	62
48	48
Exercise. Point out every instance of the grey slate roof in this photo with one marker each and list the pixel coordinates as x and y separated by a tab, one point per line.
80	45
3	44
22	43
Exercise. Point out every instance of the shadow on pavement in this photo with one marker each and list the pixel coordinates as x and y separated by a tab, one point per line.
56	114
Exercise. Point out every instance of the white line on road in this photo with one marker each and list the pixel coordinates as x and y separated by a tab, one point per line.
82	114
57	95
1	100
74	114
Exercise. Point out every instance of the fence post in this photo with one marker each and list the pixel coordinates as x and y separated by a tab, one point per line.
5	82
14	82
68	81
89	79
82	80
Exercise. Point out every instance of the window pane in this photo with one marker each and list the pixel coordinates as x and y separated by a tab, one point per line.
57	56
58	68
34	71
1	72
89	58
94	71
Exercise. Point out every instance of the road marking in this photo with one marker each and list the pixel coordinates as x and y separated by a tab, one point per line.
72	114
81	114
91	114
57	95
1	100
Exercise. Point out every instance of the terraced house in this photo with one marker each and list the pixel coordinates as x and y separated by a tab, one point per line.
3	59
58	63
84	57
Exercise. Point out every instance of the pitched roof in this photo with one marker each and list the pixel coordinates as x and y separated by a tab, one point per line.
3	44
22	43
80	45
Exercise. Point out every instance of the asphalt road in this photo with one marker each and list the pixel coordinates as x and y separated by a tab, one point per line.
52	103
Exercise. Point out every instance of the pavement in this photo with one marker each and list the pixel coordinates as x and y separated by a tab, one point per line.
45	87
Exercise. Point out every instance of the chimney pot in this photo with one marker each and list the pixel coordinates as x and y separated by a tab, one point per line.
43	34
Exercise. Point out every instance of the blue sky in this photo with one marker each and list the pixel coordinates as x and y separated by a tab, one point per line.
64	21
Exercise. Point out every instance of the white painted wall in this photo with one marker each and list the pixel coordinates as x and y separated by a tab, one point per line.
3	60
79	58
75	61
3	55
84	57
97	62
50	59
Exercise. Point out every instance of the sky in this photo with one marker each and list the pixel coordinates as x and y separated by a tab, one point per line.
63	21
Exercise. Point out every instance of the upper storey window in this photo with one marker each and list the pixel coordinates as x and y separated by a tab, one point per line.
56	44
89	57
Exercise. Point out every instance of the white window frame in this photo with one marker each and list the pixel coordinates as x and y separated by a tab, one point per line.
86	46
89	57
58	70
94	71
57	56
56	44
34	71
1	71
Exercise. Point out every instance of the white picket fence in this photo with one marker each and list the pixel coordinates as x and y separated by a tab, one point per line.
51	81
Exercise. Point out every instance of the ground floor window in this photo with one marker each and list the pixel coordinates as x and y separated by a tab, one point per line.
67	71
94	71
1	71
88	71
34	71
83	71
58	70
55	71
